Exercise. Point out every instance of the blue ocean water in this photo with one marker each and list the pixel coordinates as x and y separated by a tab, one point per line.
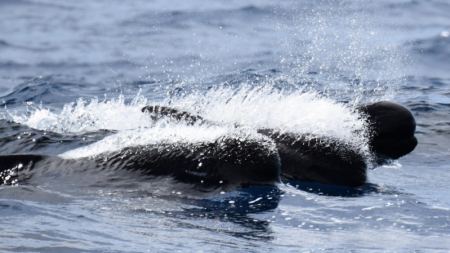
70	69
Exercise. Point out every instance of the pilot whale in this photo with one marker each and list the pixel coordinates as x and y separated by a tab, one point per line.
323	159
231	160
224	162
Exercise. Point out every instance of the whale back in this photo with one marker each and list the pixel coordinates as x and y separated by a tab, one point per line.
319	159
15	168
227	161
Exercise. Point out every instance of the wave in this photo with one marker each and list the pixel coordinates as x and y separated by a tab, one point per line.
437	46
182	19
42	89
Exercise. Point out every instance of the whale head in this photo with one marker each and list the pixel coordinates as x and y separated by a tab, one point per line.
392	127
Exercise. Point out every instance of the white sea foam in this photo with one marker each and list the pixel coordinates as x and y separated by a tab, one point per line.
296	111
250	108
84	116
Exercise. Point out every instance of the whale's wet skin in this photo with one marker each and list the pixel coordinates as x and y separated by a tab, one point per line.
265	156
263	76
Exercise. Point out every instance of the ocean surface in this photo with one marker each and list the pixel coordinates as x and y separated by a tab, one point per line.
75	74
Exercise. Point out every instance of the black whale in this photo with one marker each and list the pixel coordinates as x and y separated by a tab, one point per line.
226	161
236	161
326	160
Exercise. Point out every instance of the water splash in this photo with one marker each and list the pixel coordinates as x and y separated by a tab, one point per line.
84	116
239	112
294	111
338	46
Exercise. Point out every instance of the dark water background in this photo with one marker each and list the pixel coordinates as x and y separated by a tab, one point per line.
54	52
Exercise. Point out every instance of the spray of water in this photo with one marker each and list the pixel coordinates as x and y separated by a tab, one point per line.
294	111
338	47
85	116
238	112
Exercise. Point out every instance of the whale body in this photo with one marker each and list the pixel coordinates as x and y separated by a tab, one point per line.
231	160
323	159
226	161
